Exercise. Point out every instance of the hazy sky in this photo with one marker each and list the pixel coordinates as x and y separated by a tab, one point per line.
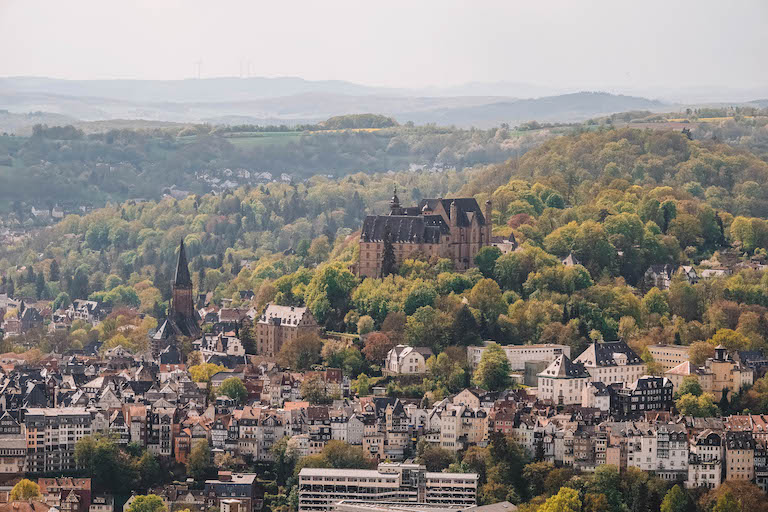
413	43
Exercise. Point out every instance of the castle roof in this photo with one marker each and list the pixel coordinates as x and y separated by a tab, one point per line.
404	228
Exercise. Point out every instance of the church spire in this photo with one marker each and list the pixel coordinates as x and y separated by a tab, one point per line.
182	268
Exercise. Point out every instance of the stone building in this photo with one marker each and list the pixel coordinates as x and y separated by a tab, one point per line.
279	324
455	229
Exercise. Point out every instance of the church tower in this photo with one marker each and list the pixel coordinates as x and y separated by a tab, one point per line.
182	303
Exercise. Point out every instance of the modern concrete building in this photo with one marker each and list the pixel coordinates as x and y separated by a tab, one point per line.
519	355
669	356
51	437
320	489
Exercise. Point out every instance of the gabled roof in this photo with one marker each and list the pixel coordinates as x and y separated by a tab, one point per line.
563	368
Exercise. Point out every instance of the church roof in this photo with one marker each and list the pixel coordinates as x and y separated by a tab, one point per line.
182	277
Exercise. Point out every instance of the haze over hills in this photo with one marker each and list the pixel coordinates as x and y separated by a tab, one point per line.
290	100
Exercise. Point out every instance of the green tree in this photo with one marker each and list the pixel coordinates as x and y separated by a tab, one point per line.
301	353
146	503
492	372
690	386
234	388
149	470
676	500
485	259
727	502
313	389
388	261
655	302
200	463
25	490
327	294
465	329
566	500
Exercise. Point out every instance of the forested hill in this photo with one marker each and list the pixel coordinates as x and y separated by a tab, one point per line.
618	200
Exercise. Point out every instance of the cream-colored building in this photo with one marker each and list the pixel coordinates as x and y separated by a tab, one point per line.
718	373
669	356
462	426
518	355
739	456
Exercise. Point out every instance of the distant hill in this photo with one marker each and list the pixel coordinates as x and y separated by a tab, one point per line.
566	107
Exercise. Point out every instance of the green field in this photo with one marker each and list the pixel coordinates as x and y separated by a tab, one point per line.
247	139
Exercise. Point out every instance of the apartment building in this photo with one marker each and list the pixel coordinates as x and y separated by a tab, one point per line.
51	437
518	355
705	462
739	456
661	448
239	486
13	446
669	356
320	489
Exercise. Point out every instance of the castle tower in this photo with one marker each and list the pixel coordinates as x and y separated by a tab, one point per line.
394	204
182	303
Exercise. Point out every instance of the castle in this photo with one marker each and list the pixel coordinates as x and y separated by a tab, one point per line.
455	229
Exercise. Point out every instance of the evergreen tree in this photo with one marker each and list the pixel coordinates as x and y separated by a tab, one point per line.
465	329
724	405
40	286
388	262
54	272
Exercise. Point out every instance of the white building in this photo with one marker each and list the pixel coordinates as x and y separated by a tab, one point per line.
563	381
705	463
405	360
320	488
610	362
518	355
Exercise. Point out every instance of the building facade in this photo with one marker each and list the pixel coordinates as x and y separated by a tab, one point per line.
320	489
279	324
519	355
455	229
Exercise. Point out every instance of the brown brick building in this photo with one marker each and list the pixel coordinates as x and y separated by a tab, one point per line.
446	228
279	324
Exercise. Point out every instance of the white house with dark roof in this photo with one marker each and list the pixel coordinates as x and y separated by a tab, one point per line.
610	362
563	381
406	360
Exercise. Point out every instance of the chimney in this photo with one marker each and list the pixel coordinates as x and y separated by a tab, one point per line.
454	214
225	476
